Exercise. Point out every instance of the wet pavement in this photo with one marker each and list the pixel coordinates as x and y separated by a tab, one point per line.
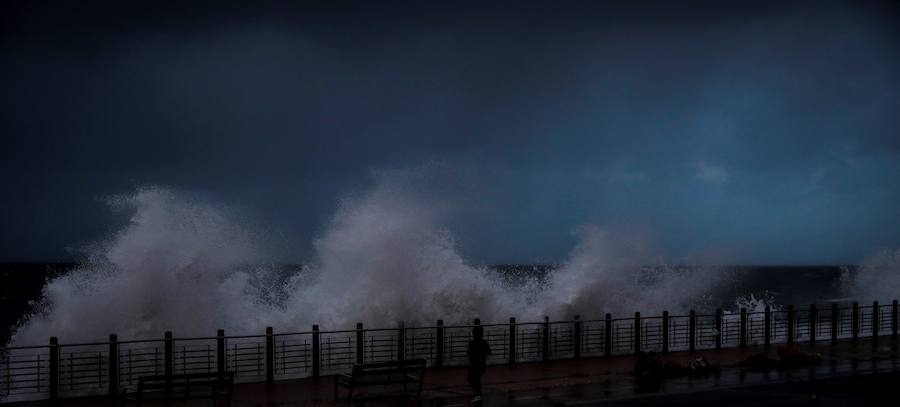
879	389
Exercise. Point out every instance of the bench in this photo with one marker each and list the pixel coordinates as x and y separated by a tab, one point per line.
212	386
372	374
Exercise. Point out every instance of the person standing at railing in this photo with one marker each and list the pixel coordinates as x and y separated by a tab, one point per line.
477	353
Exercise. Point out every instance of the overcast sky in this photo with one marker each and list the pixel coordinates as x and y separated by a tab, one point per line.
764	133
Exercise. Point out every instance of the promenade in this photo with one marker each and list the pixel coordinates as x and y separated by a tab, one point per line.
857	373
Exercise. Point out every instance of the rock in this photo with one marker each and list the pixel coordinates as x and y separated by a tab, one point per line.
647	363
650	370
674	369
702	367
793	357
760	361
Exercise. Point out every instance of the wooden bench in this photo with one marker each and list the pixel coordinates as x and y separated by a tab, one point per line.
373	374
182	387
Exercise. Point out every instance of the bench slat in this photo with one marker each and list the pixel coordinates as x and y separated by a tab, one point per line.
182	386
407	372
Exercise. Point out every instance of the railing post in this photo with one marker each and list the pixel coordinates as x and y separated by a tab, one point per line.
401	341
270	355
113	365
767	327
743	332
315	351
360	344
813	323
439	344
692	331
854	324
220	353
790	325
665	332
607	336
875	326
576	335
637	333
719	329
512	341
835	322
168	359
545	351
53	375
894	323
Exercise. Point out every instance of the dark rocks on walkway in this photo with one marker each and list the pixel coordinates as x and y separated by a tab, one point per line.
702	367
788	357
650	370
793	357
760	361
649	364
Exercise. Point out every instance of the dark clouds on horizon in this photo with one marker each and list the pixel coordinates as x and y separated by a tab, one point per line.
764	133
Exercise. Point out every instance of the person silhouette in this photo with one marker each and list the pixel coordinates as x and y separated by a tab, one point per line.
477	353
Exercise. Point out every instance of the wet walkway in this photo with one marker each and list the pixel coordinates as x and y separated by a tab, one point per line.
584	381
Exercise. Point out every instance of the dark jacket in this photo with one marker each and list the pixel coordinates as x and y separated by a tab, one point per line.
478	353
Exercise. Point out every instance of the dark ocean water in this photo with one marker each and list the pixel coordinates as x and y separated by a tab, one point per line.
21	285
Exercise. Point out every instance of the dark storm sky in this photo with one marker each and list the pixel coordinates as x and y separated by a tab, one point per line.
759	133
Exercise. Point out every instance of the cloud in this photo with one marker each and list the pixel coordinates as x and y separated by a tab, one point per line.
711	173
569	117
815	181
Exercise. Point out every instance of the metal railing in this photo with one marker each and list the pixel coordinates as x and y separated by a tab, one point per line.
66	370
